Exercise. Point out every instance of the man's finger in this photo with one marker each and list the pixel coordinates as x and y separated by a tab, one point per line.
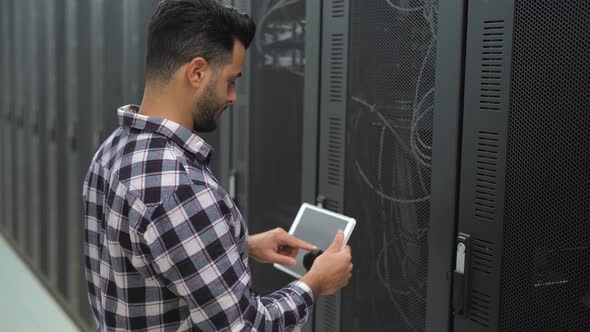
283	260
294	242
288	251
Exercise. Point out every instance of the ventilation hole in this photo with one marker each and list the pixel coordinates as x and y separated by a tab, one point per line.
493	43
337	8
335	140
480	308
332	205
336	75
486	175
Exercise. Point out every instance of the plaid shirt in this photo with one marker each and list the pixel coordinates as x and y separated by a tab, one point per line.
166	249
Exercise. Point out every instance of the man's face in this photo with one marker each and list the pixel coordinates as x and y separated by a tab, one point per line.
219	92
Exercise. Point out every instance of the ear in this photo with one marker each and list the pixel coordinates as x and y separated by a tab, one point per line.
196	71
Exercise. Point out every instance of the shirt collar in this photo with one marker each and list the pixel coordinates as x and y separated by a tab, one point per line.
186	139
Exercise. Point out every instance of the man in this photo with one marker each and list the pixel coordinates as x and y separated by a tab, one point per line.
166	247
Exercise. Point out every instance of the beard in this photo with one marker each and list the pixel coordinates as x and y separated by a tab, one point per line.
208	110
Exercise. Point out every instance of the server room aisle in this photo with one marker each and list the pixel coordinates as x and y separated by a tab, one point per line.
25	305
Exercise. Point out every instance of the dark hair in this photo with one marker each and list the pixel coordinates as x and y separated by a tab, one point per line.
181	30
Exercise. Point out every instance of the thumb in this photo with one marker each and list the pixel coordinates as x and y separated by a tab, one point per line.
337	243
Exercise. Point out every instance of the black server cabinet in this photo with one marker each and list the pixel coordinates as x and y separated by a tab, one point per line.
240	128
132	53
32	130
275	122
41	66
83	145
67	96
63	157
7	121
97	105
3	75
74	93
275	118
98	72
49	263
445	173
114	43
378	158
21	138
525	173
273	171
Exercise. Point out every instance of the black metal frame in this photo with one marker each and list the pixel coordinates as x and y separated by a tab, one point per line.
446	161
480	122
309	163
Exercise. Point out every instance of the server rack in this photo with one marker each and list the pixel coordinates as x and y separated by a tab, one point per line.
51	191
41	65
525	167
271	151
32	130
6	112
64	159
97	97
137	14
112	27
21	137
274	126
55	72
240	142
382	159
82	145
73	93
3	68
132	53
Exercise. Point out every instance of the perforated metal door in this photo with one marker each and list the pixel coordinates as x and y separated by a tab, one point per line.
275	125
545	283
388	162
526	166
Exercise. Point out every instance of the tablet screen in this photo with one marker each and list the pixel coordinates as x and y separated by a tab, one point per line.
317	228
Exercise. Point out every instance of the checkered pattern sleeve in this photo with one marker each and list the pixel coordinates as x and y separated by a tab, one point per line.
193	242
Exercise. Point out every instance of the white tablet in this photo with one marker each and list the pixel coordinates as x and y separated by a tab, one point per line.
318	227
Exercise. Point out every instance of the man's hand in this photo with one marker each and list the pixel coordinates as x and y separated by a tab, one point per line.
276	246
332	270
